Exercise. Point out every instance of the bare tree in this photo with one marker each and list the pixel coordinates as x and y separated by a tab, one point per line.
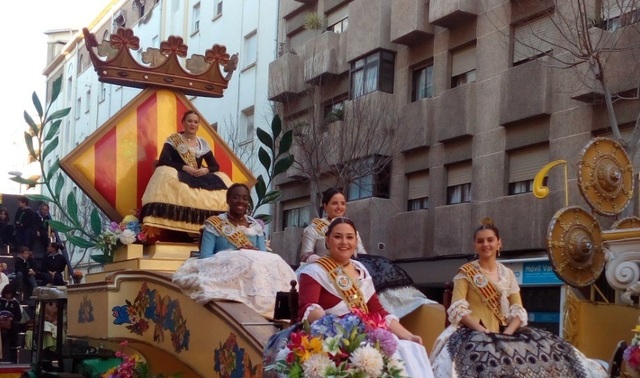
240	141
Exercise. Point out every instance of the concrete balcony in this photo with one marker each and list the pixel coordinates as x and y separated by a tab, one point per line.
287	7
417	123
453	220
285	78
409	235
373	228
298	171
410	21
287	244
323	59
456	113
451	13
526	93
369	27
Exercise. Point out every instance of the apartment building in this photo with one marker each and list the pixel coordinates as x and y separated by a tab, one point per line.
479	106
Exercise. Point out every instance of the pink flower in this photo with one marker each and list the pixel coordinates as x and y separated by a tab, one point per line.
384	339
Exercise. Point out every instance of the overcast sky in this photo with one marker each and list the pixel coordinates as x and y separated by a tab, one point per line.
23	61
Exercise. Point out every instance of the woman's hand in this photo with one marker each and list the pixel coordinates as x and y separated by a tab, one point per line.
201	172
414	338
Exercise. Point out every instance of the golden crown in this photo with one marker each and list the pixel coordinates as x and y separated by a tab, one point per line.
202	76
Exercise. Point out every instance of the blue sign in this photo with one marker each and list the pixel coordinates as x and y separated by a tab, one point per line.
539	273
544	317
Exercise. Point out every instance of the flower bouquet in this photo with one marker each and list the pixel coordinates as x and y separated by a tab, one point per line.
631	354
132	366
353	345
127	232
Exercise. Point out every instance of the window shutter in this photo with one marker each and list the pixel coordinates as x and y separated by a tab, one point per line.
458	174
418	185
524	164
295	203
615	8
337	15
532	38
463	60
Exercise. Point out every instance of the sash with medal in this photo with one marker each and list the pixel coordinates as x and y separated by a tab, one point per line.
230	232
488	292
320	224
183	150
349	291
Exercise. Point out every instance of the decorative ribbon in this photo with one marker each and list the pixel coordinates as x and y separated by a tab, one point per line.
183	150
321	225
348	289
488	292
229	231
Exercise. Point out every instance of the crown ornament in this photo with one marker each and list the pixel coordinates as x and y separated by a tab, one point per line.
201	76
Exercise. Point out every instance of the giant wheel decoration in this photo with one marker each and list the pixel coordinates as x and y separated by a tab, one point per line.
574	246
605	176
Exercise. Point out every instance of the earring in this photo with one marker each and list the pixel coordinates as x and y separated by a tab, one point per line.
326	245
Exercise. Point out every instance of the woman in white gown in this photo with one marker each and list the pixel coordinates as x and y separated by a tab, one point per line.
488	336
233	264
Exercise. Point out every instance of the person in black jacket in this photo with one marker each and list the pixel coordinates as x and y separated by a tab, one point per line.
25	224
10	316
53	265
6	231
25	272
43	235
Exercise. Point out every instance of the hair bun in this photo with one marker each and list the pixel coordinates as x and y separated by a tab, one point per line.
487	221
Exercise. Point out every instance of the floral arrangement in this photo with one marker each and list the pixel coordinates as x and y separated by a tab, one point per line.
631	354
127	232
354	345
132	366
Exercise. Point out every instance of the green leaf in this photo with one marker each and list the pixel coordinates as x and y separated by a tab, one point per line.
261	188
59	114
272	196
56	88
37	104
28	140
285	143
50	147
60	227
276	126
282	165
96	222
265	138
59	186
266	218
24	181
53	130
264	158
31	123
55	166
102	259
72	208
80	242
39	197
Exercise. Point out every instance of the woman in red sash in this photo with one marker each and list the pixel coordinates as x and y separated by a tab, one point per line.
336	284
488	336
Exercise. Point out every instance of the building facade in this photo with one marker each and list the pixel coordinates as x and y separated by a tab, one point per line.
246	27
478	106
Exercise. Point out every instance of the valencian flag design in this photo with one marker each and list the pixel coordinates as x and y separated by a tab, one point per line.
114	165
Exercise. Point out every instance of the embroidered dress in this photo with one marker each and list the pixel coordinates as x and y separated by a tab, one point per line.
226	272
175	200
315	282
529	352
394	286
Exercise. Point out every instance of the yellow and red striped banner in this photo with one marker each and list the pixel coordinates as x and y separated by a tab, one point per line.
114	165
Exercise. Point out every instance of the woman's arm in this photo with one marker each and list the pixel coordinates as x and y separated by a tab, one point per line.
167	158
208	245
309	237
261	244
212	164
403	333
308	298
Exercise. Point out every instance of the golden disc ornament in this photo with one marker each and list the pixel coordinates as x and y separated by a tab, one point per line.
625	223
605	176
574	246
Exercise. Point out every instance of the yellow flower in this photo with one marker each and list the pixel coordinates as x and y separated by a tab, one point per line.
309	347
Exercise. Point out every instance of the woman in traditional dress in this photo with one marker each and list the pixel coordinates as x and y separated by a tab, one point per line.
233	264
182	192
336	283
488	336
395	287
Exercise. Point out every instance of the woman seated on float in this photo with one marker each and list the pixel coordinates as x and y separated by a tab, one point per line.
488	336
336	283
232	264
182	192
399	296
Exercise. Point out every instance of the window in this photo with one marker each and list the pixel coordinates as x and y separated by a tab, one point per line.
246	133
250	49
372	73
338	20
422	83
195	16
620	13
459	183
217	8
103	92
78	107
334	109
87	104
463	66
375	179
532	39
80	63
296	213
70	83
120	20
524	164
418	191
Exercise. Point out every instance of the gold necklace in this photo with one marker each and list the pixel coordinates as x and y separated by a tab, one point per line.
230	217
